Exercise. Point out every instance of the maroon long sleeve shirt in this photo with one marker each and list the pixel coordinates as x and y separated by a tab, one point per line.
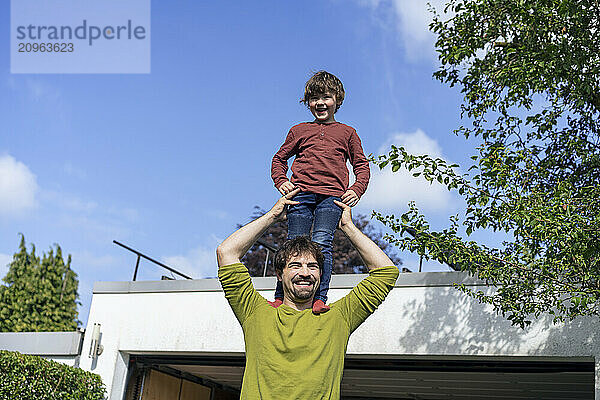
321	152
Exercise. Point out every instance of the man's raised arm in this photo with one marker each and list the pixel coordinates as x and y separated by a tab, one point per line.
237	244
364	299
371	254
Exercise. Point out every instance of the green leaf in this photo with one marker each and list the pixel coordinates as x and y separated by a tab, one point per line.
531	109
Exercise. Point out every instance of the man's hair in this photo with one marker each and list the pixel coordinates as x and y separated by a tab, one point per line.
322	82
295	247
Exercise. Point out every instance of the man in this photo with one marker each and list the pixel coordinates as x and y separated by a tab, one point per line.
292	353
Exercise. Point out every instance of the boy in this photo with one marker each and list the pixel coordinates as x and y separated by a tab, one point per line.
321	148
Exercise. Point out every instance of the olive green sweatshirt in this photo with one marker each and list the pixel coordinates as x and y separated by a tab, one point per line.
295	354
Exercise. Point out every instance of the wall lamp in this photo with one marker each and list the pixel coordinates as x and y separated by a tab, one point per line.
96	348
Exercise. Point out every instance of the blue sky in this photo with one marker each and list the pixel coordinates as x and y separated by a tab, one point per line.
169	162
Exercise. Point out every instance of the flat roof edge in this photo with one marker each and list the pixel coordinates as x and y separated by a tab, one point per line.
43	343
413	279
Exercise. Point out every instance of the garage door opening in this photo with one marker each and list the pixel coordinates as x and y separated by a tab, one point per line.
216	377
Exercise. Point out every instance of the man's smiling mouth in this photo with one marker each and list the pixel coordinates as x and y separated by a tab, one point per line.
303	283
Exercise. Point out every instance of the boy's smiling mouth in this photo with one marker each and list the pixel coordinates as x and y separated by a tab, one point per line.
322	106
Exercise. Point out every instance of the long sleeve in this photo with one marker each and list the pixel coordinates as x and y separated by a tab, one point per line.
239	292
364	299
360	165
279	165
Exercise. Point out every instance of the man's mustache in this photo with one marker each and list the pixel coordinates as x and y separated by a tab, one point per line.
308	279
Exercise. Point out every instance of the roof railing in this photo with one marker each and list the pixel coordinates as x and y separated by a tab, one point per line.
140	255
270	248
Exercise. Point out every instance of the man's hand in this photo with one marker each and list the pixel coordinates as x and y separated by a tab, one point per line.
280	208
346	218
237	244
371	254
350	197
286	187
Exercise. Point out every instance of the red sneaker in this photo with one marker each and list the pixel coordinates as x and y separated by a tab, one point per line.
319	307
276	303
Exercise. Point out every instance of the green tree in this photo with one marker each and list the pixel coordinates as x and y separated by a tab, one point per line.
346	259
40	294
529	71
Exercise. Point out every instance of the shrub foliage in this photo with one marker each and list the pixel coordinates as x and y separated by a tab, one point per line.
25	377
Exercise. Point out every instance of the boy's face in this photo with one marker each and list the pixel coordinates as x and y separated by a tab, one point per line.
322	106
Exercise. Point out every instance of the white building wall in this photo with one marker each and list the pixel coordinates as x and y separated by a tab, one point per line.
63	347
423	316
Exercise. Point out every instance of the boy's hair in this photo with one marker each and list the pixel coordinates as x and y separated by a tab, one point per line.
295	247
322	82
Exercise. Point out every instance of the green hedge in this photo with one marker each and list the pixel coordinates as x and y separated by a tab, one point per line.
24	377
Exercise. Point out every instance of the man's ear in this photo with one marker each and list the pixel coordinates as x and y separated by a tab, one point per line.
278	274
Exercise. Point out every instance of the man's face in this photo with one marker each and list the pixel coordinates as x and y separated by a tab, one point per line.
322	106
300	278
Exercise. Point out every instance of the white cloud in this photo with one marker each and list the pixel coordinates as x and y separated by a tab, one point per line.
415	143
76	205
86	260
411	20
68	201
392	190
219	214
18	186
35	89
126	214
5	259
199	262
74	171
95	221
97	228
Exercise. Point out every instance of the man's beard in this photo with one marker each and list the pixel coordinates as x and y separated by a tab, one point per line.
303	293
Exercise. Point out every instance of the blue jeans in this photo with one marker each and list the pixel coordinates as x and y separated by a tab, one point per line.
319	212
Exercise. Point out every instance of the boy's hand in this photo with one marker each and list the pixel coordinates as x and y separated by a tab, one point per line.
350	198
346	218
280	208
286	187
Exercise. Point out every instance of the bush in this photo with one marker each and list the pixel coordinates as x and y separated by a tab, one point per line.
24	377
